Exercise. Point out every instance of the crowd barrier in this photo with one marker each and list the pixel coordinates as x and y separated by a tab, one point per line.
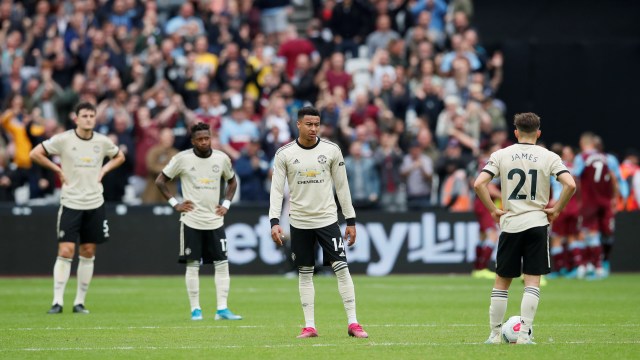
144	240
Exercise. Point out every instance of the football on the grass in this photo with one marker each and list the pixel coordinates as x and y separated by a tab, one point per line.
511	329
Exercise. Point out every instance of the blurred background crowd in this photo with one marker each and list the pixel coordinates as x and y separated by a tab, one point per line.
405	87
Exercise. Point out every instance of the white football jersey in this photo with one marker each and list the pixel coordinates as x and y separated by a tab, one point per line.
201	182
525	171
81	162
311	174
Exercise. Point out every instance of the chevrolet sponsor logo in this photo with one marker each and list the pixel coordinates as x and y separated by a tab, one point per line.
86	159
205	181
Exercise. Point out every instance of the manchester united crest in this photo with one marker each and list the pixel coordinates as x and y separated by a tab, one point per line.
322	159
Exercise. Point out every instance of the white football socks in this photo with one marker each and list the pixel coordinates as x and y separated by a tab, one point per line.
61	272
497	309
528	308
223	282
85	274
307	294
346	289
192	279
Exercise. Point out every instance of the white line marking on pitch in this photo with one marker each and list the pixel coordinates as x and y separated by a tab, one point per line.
284	326
365	343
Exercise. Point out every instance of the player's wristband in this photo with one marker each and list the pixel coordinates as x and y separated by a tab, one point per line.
226	204
173	202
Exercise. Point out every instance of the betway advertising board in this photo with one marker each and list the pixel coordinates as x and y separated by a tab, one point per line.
145	240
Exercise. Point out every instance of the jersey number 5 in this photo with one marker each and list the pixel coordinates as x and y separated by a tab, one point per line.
522	176
105	229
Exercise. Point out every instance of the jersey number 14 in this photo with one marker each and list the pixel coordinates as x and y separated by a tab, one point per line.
337	243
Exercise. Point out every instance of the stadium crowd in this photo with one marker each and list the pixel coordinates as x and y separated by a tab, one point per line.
405	87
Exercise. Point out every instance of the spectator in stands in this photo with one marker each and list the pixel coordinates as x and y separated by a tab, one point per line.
417	170
445	120
334	74
429	148
349	25
117	55
6	176
273	17
157	158
236	132
380	38
363	177
209	114
459	23
389	159
185	23
320	39
455	192
454	184
438	10
121	133
427	103
471	37
465	134
303	80
292	47
276	116
460	49
66	100
458	83
252	168
15	121
630	172
420	31
398	11
379	67
330	115
205	62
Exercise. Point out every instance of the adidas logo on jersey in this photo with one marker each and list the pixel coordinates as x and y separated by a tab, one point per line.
342	254
296	161
74	148
193	168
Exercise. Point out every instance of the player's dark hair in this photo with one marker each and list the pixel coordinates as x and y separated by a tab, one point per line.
84	106
307	110
527	122
199	127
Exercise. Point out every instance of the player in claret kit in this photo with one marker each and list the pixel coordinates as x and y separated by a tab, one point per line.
598	174
488	227
565	230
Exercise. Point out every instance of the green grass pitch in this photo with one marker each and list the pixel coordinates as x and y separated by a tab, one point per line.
407	317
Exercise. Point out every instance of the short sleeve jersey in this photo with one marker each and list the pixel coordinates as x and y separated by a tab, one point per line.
201	182
525	171
311	173
596	183
81	162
